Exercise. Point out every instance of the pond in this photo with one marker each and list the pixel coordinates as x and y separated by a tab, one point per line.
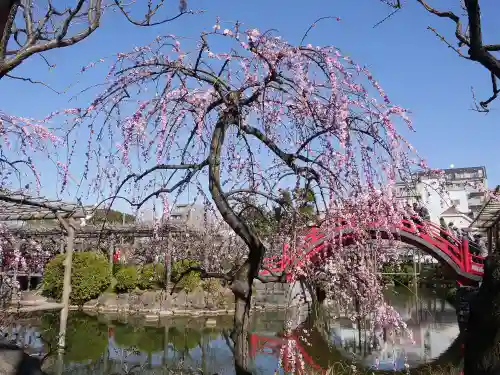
101	345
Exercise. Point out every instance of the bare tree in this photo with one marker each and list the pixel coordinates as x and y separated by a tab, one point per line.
469	42
29	28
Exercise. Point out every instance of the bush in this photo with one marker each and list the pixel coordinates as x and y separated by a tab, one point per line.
90	277
117	267
211	286
399	274
151	276
190	281
126	279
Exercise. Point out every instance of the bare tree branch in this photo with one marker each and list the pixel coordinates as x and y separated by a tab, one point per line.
45	26
470	37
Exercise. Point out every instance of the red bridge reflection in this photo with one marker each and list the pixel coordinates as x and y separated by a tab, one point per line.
289	349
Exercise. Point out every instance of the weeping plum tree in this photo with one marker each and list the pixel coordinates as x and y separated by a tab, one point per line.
237	125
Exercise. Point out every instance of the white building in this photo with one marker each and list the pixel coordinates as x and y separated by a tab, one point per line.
464	191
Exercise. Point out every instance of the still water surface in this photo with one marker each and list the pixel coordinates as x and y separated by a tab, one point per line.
101	346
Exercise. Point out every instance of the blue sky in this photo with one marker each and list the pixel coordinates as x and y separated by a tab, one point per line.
416	69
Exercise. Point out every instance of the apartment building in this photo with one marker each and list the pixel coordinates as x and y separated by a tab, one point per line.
461	200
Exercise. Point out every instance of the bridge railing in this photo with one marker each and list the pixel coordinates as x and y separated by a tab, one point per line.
455	249
437	236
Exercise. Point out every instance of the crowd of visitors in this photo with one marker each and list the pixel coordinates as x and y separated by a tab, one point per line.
418	213
450	232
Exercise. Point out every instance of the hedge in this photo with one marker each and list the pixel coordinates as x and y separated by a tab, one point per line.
151	276
89	277
404	274
190	281
126	279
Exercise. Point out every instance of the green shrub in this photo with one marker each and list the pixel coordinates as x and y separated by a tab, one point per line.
117	267
190	281
399	274
126	279
151	276
211	286
89	277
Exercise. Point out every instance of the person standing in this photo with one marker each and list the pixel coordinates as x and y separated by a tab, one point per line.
424	213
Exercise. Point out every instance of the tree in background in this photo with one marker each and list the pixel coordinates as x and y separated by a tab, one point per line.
111	216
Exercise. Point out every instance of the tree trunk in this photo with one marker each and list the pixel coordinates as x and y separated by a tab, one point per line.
482	339
5	11
243	279
242	289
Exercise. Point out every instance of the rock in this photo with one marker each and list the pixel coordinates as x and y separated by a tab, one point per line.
90	305
149	299
210	323
31	299
196	299
180	299
108	300
14	361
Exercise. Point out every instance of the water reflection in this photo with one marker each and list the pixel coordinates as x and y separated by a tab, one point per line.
430	318
113	346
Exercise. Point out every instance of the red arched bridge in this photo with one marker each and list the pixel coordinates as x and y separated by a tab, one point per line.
427	237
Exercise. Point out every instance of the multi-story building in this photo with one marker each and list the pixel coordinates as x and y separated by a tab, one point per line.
456	194
189	214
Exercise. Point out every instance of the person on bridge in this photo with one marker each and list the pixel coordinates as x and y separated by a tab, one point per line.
444	229
424	213
483	249
416	215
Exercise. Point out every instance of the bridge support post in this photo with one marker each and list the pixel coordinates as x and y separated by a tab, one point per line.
466	256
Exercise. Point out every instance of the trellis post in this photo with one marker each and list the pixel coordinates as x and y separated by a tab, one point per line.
17	251
111	250
68	261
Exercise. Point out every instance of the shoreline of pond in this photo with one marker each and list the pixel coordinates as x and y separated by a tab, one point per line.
156	305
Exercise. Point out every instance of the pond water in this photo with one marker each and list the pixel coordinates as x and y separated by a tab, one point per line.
100	345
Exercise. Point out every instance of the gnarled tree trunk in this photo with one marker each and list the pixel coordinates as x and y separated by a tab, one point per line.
242	289
482	339
243	279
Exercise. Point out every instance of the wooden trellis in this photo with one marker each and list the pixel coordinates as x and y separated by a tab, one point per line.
19	207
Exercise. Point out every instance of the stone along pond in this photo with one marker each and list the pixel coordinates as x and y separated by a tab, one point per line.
110	345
